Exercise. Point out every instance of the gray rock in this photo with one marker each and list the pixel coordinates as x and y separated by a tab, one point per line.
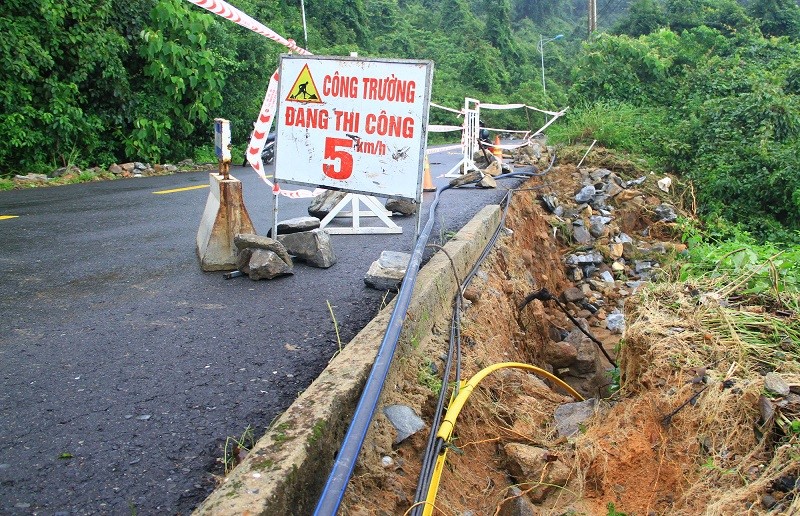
559	211
586	357
600	173
599	201
623	238
642	266
139	166
607	277
582	259
612	189
404	420
518	505
586	194
243	259
560	354
470	177
387	272
775	384
666	213
615	322
569	415
115	169
537	468
295	225
767	409
597	226
581	235
32	177
575	274
401	206
313	247
573	295
244	240
550	202
635	182
494	169
487	182
323	204
72	169
266	264
768	501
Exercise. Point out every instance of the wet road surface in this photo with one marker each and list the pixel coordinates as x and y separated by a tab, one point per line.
124	367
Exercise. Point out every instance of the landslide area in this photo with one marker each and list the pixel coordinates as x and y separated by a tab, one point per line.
699	417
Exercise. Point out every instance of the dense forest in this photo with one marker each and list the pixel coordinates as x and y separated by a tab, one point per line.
706	89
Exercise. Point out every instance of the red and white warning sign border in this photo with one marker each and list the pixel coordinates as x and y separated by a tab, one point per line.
353	124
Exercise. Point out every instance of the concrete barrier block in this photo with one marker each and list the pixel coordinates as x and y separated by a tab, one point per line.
225	216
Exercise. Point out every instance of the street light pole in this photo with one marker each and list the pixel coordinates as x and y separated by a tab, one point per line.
542	43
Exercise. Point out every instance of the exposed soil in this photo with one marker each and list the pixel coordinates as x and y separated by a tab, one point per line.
718	454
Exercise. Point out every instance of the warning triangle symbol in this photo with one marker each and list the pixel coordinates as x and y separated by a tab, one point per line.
304	89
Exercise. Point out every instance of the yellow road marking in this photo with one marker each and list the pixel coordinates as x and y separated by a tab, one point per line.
4	217
174	190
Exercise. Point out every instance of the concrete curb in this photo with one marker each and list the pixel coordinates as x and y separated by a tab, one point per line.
287	469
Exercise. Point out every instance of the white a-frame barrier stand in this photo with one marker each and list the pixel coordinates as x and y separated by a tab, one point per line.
374	208
472	115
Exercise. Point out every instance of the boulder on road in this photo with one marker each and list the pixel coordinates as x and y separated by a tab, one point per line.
313	247
266	264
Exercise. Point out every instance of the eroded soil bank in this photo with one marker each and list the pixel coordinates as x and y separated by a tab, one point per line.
691	428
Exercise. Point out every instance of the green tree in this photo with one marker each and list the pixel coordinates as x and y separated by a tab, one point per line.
498	27
777	17
644	17
61	77
186	83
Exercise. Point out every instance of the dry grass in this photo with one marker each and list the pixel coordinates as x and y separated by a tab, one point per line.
714	455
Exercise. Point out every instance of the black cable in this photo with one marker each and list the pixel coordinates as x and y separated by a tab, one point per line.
435	444
545	295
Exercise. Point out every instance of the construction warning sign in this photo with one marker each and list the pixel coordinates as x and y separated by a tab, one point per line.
304	89
354	124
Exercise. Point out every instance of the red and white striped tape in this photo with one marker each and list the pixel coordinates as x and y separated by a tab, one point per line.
263	123
227	11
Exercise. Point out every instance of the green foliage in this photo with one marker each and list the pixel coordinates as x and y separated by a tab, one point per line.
617	125
776	17
644	17
611	510
765	267
186	80
720	108
427	379
60	68
624	69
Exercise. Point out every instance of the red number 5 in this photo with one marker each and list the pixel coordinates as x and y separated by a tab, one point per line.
344	157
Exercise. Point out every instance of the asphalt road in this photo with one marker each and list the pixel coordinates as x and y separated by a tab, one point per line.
124	367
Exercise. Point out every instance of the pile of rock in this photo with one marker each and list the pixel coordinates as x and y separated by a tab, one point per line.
606	265
131	169
139	169
534	153
262	257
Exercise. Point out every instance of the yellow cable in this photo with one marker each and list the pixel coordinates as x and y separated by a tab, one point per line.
449	422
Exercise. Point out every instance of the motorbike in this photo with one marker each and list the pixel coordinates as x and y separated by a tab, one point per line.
267	153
